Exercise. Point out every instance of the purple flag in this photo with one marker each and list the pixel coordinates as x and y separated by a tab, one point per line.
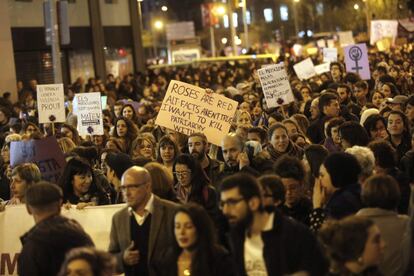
356	60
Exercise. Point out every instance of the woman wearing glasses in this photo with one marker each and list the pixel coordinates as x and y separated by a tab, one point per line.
196	251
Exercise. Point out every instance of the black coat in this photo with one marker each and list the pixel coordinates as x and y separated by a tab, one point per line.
289	247
45	245
220	265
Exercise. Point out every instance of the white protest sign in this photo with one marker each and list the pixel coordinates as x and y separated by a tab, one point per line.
321	43
331	43
187	109
322	68
383	28
275	85
96	221
346	38
51	103
305	69
330	54
88	108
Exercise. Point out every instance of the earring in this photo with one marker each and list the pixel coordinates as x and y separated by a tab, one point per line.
360	261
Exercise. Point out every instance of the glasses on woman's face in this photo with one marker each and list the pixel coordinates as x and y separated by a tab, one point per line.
180	174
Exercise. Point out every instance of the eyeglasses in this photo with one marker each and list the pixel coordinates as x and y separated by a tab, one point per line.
230	202
132	187
182	174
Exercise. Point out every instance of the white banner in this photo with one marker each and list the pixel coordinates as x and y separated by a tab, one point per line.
15	221
305	69
88	108
322	68
330	54
51	103
382	29
275	84
346	38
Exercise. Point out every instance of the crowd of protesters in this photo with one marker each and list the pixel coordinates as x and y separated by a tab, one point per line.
321	187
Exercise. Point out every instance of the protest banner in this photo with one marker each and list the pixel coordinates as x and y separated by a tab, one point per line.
44	152
15	221
322	68
330	54
275	85
356	60
346	38
383	28
51	103
187	109
104	102
88	108
305	69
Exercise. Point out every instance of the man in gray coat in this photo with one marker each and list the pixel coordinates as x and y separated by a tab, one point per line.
140	231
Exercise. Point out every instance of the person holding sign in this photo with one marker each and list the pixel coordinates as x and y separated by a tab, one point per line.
79	185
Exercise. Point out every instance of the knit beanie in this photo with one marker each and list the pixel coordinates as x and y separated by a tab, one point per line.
343	168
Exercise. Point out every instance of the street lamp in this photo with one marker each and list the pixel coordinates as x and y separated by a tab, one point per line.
158	24
356	6
164	8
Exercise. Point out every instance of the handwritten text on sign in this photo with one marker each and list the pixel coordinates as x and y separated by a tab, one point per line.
88	108
50	103
188	109
275	84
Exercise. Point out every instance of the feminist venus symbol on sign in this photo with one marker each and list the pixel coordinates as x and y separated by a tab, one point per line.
355	54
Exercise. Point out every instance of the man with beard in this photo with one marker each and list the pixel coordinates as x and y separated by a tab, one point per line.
266	243
197	147
235	157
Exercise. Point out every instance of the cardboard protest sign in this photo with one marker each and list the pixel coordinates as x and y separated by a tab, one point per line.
346	38
305	69
384	44
330	54
187	109
275	85
45	153
322	68
88	108
356	60
383	28
51	103
321	43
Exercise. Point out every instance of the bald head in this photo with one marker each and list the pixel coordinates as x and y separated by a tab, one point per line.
138	173
136	187
232	145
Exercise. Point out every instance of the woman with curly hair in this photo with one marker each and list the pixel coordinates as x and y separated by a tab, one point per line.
126	130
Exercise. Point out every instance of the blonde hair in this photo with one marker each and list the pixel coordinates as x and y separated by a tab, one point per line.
66	144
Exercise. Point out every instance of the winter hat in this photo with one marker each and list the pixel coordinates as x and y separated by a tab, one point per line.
119	162
343	169
368	112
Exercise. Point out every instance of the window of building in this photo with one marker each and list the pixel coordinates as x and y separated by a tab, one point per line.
268	15
284	13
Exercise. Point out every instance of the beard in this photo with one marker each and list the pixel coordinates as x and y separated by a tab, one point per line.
244	223
198	155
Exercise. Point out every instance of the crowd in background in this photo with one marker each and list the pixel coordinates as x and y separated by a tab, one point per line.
326	180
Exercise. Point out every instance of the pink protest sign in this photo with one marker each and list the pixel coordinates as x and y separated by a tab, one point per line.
356	60
45	153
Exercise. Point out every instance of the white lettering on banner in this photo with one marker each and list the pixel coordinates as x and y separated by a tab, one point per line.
50	103
275	85
187	109
96	221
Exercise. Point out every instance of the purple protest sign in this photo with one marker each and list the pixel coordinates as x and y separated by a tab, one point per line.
45	153
356	60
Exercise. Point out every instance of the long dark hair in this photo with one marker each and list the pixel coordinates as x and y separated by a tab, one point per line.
167	140
131	134
206	243
76	166
199	179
